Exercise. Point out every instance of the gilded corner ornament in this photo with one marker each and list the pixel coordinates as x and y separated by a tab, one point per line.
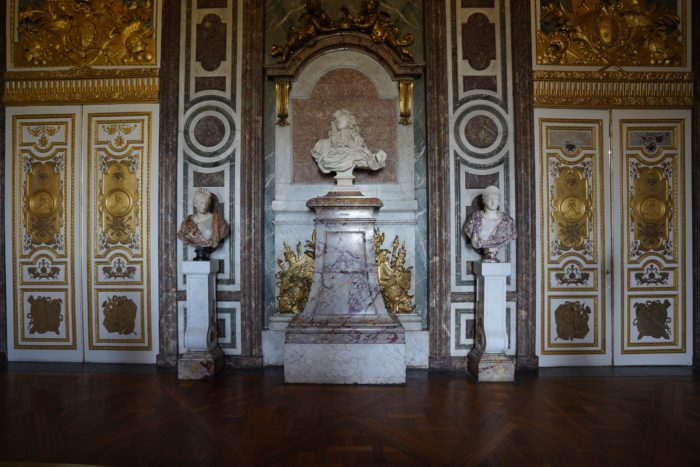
371	20
609	33
294	278
394	277
77	33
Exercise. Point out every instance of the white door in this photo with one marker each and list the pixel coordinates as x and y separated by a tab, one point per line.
614	257
80	244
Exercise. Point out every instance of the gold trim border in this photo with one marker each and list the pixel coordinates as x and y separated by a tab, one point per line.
597	89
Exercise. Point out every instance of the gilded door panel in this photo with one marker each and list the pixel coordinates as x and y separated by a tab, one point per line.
44	291
119	157
574	304
652	247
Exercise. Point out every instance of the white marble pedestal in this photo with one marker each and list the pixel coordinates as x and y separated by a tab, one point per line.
203	357
345	335
488	361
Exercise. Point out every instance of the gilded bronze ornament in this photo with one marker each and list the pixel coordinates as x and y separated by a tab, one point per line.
294	278
282	95
43	199
571	208
78	33
44	314
372	21
119	203
405	101
394	278
652	319
651	208
119	315
609	33
572	320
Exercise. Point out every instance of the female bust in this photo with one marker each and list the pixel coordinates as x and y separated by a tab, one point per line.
490	229
205	229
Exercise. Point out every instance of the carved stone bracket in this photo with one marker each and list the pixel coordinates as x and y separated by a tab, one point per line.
403	72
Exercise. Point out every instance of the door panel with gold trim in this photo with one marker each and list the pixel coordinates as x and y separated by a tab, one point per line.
652	248
572	278
44	320
80	193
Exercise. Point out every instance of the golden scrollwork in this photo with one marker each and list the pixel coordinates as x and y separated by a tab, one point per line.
119	202
571	207
294	278
119	315
43	202
651	208
370	20
81	33
609	33
394	278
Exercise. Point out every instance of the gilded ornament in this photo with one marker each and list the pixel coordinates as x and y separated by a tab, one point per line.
43	270
394	278
571	208
119	270
571	320
43	200
119	315
652	319
294	278
651	208
77	33
372	21
282	95
119	203
405	101
572	275
609	33
44	314
652	275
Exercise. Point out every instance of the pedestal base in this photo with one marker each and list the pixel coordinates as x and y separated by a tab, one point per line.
491	367
200	365
345	363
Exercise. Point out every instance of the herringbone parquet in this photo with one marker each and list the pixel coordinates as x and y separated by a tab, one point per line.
117	416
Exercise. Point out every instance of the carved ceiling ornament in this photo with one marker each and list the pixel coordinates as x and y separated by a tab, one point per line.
371	20
609	33
77	33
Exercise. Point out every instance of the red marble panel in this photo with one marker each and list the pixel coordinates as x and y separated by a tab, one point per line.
377	118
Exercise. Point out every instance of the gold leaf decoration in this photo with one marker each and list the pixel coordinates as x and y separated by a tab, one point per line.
43	201
652	208
571	208
572	320
80	33
609	33
652	319
294	278
394	278
119	201
44	314
120	315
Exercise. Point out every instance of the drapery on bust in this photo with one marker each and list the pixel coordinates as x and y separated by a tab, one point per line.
345	149
205	229
490	229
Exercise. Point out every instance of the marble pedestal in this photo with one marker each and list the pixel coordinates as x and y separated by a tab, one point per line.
345	335
203	357
488	361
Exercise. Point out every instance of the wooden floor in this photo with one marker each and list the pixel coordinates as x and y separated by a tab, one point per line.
114	415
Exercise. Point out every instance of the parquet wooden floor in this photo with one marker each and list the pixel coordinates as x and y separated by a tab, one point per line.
119	416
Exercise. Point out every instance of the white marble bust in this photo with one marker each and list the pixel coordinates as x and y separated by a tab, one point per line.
205	229
345	150
490	229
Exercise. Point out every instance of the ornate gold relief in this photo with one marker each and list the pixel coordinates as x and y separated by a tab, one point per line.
294	279
609	33
652	319
43	198
372	21
405	101
119	315
571	208
394	278
44	314
80	33
651	208
572	276
119	203
282	96
571	320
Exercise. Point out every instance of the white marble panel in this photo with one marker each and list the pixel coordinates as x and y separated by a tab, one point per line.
345	363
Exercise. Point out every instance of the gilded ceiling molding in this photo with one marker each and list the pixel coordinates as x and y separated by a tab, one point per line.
612	34
612	89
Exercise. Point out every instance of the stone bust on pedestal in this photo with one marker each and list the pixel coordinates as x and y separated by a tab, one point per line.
205	229
490	229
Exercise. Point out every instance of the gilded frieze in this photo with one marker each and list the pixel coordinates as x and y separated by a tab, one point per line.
75	33
608	33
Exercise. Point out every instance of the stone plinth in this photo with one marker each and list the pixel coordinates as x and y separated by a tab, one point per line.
488	361
345	334
203	357
273	339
